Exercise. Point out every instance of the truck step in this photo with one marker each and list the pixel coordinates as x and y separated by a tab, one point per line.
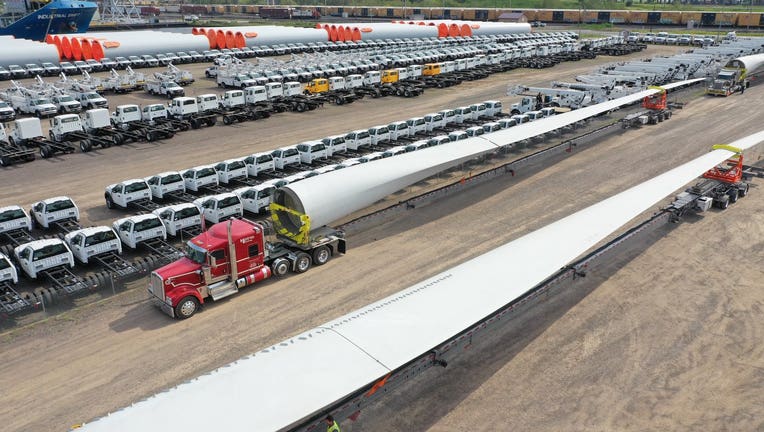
222	289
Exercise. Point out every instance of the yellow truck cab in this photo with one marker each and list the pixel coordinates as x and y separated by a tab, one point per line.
390	76
431	69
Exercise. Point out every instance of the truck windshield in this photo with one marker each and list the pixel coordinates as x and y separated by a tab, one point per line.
172	178
10	215
49	251
205	172
186	213
4	264
100	237
59	205
195	253
65	98
229	202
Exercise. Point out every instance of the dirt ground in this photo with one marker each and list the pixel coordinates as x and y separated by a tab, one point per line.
678	351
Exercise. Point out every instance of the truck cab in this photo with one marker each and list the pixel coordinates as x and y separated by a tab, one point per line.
285	156
379	135
390	76
358	139
66	104
255	199
220	207
507	123
371	78
126	114
14	218
51	210
40	255
90	242
474	131
198	177
493	108
182	107
152	112
134	230
491	127
256	94
458	135
463	114
274	90
416	126
520	118
534	115
165	183
259	163
434	121
123	193
26	129
398	130
431	69
90	100
336	144
233	99
311	151
479	111
230	170
449	116
8	272
207	102
179	217
96	119
63	125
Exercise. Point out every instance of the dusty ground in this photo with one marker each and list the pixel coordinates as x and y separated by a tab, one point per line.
95	359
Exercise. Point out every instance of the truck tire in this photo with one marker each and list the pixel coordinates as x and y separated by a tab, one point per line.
407	93
150	136
45	152
321	255
339	100
211	122
280	267
5	161
723	202
733	194
227	120
301	107
195	124
119	139
52	136
743	191
109	202
302	263
186	308
86	146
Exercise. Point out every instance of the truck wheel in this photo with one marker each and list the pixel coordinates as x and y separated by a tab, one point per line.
407	93
109	202
280	267
227	120
45	152
723	202
119	139
5	161
186	307
52	136
733	194
302	263
195	124
211	122
85	146
321	255
339	100
743	191
149	136
301	107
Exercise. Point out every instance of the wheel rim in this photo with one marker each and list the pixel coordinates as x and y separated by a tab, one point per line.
322	256
188	307
303	264
282	268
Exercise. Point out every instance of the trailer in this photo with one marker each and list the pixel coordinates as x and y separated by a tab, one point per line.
233	108
50	260
12	153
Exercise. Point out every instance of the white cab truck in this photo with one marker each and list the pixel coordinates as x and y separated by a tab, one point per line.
8	273
187	108
38	256
336	144
416	126
208	102
66	104
220	207
87	243
124	193
255	199
379	135
399	130
58	209
153	112
197	178
230	170
285	157
179	218
493	108
134	230
311	151
123	115
238	80
38	106
170	89
358	139
163	185
462	114
434	121
259	163
90	100
13	218
7	112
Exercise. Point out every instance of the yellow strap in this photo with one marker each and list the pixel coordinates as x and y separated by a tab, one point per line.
727	147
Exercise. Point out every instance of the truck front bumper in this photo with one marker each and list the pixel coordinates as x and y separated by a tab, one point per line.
169	310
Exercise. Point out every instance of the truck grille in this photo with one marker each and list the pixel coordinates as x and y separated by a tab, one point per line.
157	286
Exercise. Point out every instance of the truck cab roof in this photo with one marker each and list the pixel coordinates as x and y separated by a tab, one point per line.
39	244
135	219
126	183
88	231
217	236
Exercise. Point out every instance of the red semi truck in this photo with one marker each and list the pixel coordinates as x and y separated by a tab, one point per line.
234	254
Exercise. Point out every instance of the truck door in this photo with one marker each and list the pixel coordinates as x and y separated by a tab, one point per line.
218	264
